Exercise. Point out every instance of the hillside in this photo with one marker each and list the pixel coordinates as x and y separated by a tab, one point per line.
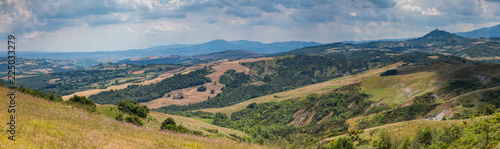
436	41
176	49
373	102
319	88
203	58
31	67
44	124
487	32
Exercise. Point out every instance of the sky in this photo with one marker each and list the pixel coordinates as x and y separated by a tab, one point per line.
109	25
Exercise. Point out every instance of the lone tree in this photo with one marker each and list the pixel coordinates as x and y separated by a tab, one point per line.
201	89
132	107
169	123
82	101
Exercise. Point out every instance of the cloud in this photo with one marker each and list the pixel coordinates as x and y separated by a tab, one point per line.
164	26
383	3
211	20
462	7
244	12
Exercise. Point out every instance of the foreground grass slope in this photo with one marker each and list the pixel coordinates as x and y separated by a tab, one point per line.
45	124
190	123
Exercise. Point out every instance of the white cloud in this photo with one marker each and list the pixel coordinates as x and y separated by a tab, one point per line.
163	26
352	14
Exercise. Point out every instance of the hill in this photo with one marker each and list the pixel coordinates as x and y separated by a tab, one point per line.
373	101
486	32
45	124
203	58
176	49
30	67
436	41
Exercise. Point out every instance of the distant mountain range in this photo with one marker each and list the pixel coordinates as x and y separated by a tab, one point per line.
176	59
177	49
181	53
437	41
493	31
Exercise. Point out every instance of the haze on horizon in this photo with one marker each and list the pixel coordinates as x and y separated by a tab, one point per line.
96	25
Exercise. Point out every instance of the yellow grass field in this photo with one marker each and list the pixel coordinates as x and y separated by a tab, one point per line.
44	124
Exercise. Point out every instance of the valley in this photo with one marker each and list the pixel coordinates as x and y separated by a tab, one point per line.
311	97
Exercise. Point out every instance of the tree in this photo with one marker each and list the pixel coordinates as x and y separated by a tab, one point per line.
201	89
82	101
341	143
169	123
134	119
132	107
119	117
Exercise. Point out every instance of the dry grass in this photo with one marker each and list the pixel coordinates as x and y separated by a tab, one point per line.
44	124
189	123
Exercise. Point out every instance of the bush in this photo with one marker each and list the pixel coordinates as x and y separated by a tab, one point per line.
132	107
489	109
341	143
425	136
134	119
424	99
169	123
389	72
119	117
201	89
83	102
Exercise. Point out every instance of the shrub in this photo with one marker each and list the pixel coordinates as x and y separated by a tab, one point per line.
133	108
169	123
83	102
489	109
424	99
201	89
341	143
134	119
389	72
425	136
119	117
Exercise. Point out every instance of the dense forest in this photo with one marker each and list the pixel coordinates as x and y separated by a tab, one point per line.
144	93
291	72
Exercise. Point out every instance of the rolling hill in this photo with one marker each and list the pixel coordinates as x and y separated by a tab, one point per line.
177	49
486	32
203	58
45	124
436	41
